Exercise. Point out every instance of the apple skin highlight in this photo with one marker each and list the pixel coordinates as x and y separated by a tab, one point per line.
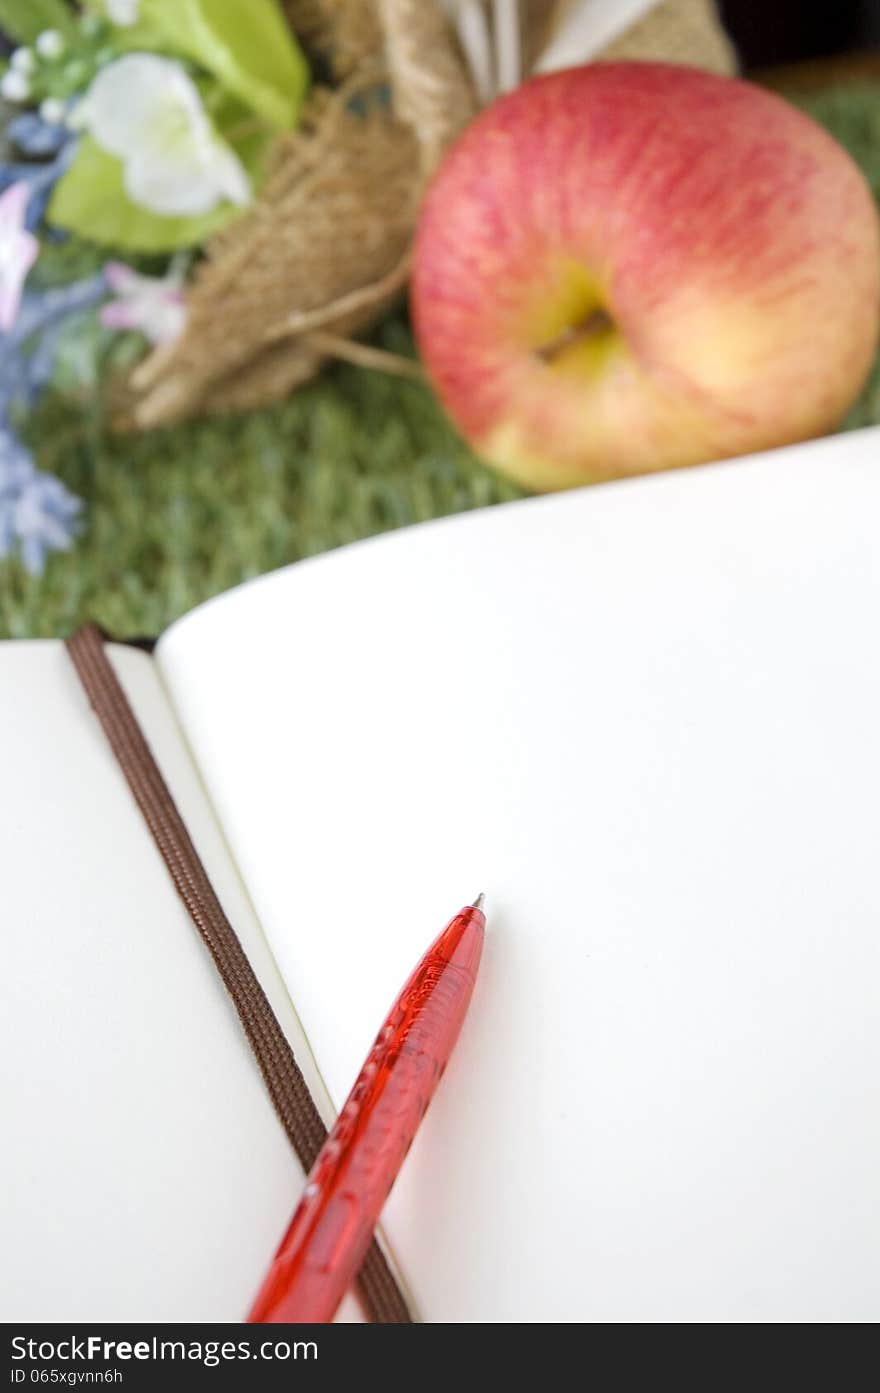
630	267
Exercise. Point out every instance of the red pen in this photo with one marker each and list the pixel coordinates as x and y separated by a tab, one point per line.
356	1167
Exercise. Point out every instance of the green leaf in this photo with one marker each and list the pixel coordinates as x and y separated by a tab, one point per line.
247	45
23	20
91	201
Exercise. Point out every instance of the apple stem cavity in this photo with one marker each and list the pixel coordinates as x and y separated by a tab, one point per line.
595	324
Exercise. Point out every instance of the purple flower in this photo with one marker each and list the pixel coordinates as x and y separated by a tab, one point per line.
152	304
18	251
35	137
37	140
37	512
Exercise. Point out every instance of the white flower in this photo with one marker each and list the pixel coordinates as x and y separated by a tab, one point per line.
15	86
147	110
152	304
50	44
123	12
53	111
23	60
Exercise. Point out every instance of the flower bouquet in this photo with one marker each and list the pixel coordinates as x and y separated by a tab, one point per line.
139	127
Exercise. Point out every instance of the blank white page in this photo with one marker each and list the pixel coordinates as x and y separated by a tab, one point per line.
143	1173
643	718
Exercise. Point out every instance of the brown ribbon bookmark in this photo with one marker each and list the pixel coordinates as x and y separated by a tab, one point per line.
287	1088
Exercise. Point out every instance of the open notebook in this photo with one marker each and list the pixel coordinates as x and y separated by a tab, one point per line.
643	718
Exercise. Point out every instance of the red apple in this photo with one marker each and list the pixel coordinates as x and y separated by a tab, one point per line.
635	266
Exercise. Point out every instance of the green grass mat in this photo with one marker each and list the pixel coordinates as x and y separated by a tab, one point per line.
175	516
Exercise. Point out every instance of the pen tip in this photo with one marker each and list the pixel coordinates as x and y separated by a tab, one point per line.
478	902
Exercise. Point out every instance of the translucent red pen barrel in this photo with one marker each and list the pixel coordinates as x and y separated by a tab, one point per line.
349	1183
